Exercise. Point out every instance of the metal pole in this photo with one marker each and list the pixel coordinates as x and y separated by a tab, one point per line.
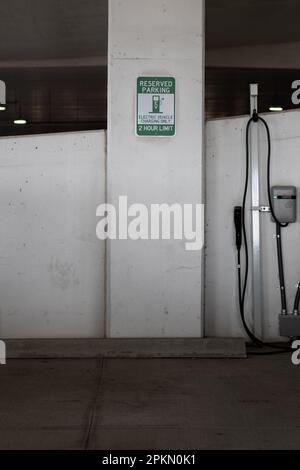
255	218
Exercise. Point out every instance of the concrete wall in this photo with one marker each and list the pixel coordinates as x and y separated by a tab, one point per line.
51	263
225	166
154	287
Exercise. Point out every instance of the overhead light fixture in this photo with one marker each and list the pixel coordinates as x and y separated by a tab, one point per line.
20	122
275	109
2	107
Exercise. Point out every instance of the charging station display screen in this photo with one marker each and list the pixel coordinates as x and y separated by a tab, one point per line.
156	106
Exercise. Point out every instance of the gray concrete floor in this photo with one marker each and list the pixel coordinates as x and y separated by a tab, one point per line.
150	404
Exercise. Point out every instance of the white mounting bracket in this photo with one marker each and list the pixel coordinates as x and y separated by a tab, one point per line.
257	310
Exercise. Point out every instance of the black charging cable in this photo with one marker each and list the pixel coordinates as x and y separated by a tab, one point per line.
281	270
241	233
297	301
257	118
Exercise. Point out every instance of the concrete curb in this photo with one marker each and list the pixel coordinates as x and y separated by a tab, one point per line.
126	348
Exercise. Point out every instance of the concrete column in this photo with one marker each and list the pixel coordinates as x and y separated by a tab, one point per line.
154	288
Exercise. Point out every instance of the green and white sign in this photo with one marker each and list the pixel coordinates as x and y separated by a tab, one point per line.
156	106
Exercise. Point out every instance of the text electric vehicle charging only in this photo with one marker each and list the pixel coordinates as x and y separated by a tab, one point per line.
282	206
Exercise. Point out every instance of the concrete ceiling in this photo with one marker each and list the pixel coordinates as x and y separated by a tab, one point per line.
251	22
77	29
52	29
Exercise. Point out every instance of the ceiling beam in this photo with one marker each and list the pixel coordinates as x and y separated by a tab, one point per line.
54	63
272	56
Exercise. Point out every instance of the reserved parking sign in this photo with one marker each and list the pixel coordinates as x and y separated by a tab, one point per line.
156	106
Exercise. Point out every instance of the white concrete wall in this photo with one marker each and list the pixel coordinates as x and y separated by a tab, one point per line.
154	287
51	263
225	166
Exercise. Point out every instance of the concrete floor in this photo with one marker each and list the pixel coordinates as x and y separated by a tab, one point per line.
150	404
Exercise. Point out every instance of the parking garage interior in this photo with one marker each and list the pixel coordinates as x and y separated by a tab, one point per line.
139	344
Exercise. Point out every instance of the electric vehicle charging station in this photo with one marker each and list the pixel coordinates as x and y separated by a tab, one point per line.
272	145
282	208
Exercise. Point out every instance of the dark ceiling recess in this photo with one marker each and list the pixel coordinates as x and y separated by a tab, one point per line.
55	99
75	99
227	90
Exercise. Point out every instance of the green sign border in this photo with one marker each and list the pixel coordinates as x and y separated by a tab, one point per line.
157	133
